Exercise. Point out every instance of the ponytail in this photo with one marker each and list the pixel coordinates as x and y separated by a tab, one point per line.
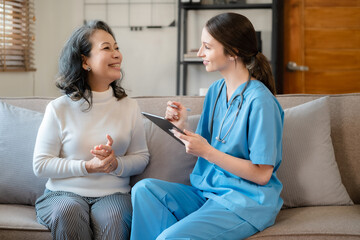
237	34
260	69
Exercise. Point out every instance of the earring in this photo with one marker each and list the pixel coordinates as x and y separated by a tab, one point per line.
88	69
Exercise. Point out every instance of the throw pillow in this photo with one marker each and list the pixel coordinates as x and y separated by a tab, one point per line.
168	159
18	130
309	171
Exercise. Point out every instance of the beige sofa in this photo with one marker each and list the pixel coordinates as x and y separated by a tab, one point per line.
307	166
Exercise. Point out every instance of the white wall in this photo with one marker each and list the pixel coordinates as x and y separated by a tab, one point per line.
149	55
149	61
54	23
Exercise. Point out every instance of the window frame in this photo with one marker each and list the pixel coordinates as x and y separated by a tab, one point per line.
17	20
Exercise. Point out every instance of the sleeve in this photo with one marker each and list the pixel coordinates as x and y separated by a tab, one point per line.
137	156
265	132
204	125
46	160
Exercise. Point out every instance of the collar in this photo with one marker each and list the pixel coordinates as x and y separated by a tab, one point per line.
99	97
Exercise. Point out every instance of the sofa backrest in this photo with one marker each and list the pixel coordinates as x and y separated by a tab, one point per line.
32	103
345	125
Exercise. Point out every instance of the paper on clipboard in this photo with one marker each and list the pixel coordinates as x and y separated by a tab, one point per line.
164	124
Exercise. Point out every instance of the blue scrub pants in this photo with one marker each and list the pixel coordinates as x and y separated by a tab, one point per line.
165	210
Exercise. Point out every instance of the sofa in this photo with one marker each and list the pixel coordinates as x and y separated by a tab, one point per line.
320	169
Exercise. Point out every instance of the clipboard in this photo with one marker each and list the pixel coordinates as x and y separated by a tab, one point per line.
164	124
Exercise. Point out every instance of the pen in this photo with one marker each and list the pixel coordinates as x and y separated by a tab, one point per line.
174	106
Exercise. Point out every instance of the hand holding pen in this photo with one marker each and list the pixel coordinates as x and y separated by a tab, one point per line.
177	114
175	106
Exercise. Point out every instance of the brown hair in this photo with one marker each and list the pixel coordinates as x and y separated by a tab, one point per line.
237	34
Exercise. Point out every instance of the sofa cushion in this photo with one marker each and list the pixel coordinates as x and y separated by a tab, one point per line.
19	222
307	223
16	217
168	159
309	171
18	130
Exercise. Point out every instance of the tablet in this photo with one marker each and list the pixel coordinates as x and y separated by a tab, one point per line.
164	124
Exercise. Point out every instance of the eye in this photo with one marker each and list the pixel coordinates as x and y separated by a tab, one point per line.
206	46
106	48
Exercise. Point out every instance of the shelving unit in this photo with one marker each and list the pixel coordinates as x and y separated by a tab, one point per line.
182	64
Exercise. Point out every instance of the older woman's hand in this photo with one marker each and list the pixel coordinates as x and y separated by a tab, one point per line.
105	165
104	158
102	151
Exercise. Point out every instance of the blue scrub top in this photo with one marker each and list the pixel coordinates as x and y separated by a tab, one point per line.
256	136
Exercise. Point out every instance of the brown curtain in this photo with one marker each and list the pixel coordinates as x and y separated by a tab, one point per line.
17	36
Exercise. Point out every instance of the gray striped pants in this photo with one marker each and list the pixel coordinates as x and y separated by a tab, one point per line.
71	216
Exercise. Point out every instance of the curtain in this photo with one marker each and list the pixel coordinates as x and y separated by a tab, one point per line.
17	36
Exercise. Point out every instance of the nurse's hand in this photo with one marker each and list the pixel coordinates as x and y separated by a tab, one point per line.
177	114
194	143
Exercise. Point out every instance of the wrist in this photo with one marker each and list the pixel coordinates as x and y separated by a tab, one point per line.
88	167
209	154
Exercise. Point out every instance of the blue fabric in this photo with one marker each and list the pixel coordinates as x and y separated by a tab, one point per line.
257	136
177	211
219	205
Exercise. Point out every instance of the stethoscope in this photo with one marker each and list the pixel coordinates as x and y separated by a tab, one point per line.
219	138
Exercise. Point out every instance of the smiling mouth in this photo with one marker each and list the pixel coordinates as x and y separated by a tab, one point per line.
117	65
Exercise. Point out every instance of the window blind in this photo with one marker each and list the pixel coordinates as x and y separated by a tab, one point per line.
17	20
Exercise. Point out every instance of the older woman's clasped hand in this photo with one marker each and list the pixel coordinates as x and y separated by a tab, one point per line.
104	159
194	143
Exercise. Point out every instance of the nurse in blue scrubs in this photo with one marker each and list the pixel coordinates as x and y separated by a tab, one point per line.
234	190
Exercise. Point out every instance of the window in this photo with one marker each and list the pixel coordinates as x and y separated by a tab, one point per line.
17	19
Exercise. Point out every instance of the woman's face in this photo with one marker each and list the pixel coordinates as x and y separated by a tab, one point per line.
212	53
104	60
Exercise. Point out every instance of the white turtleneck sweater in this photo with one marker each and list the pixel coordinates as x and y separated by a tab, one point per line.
67	134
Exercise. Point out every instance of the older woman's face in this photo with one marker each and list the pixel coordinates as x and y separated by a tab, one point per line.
104	60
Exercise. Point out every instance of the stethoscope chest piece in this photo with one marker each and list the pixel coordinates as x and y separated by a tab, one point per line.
222	141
